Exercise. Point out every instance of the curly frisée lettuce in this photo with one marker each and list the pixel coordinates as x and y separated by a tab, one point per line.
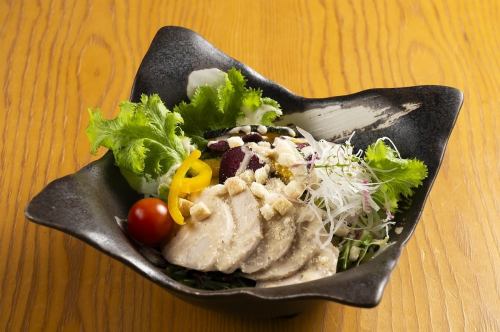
397	176
146	140
149	141
222	100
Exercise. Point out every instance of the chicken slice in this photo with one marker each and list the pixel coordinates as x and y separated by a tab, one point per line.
279	233
324	264
247	232
197	244
305	246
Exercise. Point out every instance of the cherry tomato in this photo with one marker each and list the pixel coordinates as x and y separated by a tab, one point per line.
149	221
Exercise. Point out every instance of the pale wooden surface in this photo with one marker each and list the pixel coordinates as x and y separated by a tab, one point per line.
57	58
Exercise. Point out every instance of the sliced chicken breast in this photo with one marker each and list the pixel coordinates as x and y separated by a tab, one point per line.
279	233
247	232
197	244
324	264
305	246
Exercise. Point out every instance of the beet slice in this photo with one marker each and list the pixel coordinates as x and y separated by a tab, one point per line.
219	146
252	137
231	160
229	163
254	163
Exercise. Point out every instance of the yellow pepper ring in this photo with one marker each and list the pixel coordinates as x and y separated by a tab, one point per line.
200	181
175	187
180	184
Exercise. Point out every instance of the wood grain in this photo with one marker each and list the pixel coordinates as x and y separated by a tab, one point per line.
59	57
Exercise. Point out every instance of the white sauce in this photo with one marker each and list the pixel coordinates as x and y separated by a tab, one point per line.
262	129
246	160
246	129
242	129
211	142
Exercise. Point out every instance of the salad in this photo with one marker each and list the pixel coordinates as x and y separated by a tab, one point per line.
232	200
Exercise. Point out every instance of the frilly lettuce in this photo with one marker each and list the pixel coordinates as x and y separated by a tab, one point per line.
146	140
226	105
149	141
398	177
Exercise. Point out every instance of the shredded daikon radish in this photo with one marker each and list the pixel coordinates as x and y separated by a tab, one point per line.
340	184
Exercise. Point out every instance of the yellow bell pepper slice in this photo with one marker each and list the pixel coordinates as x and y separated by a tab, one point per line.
175	187
201	180
181	184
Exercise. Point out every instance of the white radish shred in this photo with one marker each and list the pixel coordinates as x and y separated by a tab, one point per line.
341	188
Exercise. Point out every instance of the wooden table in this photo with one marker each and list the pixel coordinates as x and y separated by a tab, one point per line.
58	58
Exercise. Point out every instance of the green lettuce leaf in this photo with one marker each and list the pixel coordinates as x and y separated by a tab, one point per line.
399	176
226	106
145	138
269	116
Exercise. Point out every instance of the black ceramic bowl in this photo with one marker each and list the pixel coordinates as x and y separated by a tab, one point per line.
418	119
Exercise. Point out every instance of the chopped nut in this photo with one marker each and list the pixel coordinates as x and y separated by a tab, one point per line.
299	140
275	185
235	185
235	141
219	189
262	174
200	211
247	176
299	171
354	253
263	151
272	197
294	189
193	196
258	190
184	206
342	231
252	145
286	159
267	211
282	205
